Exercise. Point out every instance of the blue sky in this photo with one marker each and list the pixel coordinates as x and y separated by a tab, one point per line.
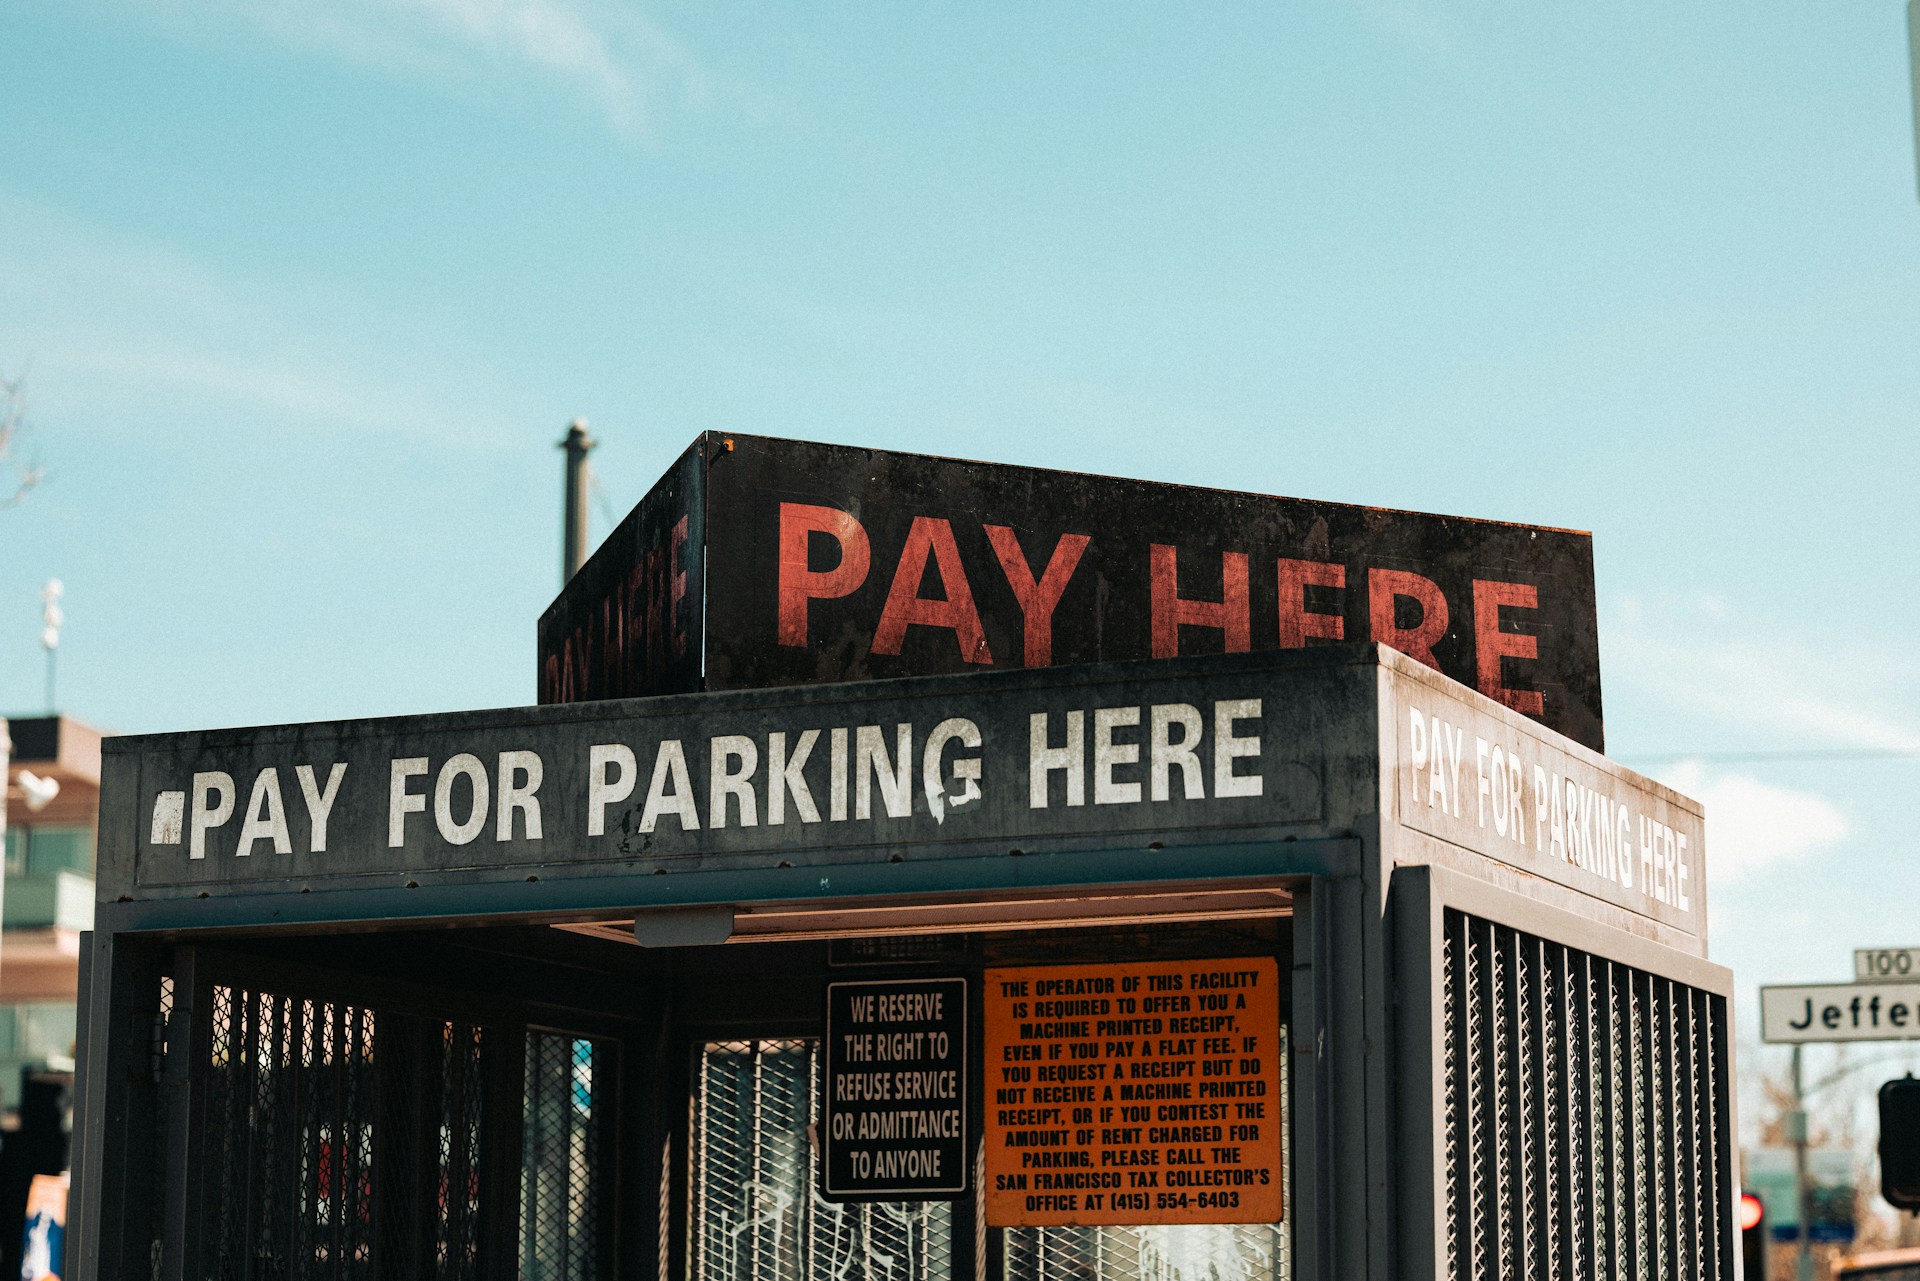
304	294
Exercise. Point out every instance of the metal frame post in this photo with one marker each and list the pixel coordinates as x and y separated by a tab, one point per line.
1312	1154
110	1234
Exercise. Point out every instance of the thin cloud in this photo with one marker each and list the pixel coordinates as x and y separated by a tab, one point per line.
1700	655
1752	824
1423	28
602	53
552	36
119	325
134	369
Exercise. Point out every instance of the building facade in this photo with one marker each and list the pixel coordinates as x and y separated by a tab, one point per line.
53	811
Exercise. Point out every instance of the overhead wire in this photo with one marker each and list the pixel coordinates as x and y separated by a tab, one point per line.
1755	758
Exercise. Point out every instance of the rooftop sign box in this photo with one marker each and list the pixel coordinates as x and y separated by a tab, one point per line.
758	562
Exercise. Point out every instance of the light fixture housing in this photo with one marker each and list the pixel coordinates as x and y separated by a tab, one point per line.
36	791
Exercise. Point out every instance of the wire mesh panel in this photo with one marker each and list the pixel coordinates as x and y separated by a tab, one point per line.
166	1118
289	1138
1176	1252
561	1169
456	1243
755	1212
1585	1115
329	1152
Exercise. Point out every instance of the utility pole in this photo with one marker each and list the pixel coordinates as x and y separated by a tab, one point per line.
1913	55
573	530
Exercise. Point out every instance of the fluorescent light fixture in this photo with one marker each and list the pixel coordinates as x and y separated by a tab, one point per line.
684	926
1032	910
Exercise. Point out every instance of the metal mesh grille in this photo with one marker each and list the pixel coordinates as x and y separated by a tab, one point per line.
1188	1252
1585	1119
296	1117
456	1244
288	1093
162	1026
561	1169
755	1214
663	1226
166	1117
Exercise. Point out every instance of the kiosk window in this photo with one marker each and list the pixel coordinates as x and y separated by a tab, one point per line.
1162	1252
756	1213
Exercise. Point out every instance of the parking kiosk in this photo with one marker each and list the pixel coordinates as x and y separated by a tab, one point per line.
1306	963
364	998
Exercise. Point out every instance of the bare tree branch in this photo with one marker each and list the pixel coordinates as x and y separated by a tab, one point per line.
13	422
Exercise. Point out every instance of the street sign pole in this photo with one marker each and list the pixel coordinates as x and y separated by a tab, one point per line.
1802	1186
1882	1004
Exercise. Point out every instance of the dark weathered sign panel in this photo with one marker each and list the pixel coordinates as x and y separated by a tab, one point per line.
817	563
893	1108
893	771
1144	762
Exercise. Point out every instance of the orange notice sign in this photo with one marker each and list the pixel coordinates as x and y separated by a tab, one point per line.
1143	1092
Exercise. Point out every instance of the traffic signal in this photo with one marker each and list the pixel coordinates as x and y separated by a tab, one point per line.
1900	1143
1753	1236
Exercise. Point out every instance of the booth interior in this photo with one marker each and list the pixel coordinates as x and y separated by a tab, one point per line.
542	1099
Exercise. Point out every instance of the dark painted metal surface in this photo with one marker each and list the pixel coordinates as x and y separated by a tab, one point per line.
629	622
829	563
761	782
1250	861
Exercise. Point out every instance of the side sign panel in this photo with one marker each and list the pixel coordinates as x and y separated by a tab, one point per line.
630	621
1144	1092
1499	787
894	1096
